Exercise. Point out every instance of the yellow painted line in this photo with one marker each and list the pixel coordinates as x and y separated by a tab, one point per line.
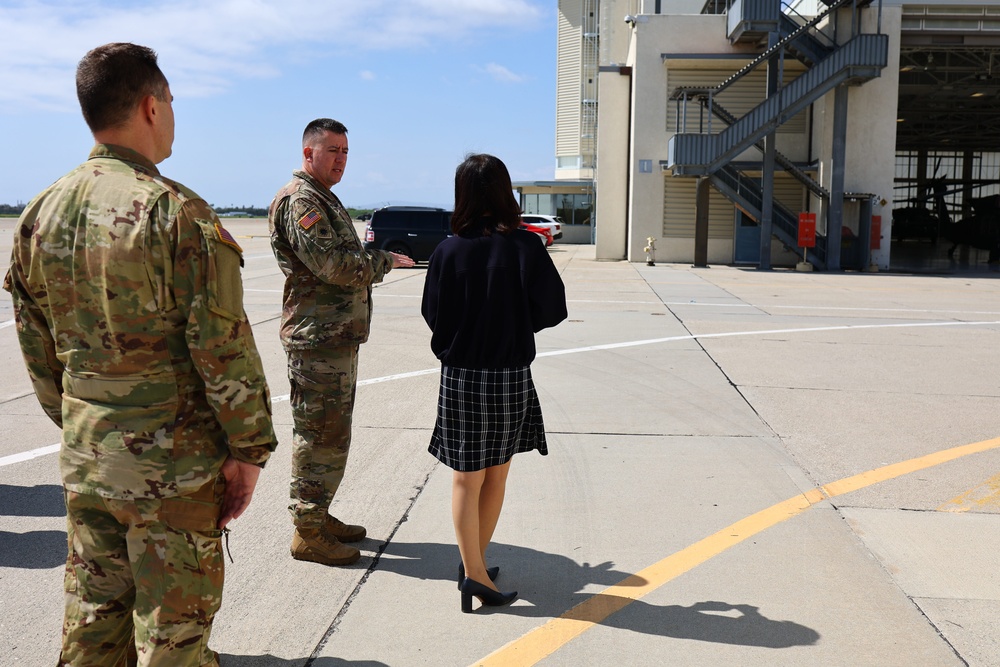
905	467
548	638
983	496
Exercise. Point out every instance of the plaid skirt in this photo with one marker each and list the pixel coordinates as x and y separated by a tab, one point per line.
484	417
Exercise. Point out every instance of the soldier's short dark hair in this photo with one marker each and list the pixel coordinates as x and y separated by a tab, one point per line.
112	79
483	192
321	125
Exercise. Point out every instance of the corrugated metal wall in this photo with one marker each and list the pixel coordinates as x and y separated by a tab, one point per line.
737	99
679	206
569	71
679	209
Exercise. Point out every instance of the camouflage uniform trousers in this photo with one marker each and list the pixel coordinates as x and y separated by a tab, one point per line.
323	386
143	580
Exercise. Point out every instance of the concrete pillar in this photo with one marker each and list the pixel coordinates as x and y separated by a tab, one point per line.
701	222
835	214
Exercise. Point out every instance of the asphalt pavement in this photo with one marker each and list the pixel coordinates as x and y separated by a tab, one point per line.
746	468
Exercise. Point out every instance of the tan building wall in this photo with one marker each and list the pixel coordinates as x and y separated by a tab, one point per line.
613	189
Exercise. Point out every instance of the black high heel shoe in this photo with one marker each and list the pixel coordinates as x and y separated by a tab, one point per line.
487	596
493	572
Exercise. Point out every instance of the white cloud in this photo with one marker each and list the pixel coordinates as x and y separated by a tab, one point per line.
502	74
367	75
204	46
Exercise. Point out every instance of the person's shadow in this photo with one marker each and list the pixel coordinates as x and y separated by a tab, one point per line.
41	500
226	660
713	621
553	584
550	582
39	549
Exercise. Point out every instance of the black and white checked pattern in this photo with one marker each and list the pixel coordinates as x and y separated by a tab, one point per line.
486	416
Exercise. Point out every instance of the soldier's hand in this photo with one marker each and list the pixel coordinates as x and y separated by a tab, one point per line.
400	260
241	479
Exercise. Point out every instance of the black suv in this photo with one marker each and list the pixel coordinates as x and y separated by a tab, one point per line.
409	230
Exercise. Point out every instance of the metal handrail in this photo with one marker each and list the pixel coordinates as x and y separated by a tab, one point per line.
779	46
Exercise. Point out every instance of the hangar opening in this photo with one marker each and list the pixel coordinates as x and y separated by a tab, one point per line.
947	185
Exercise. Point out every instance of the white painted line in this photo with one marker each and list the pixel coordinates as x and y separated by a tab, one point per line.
8	323
764	332
27	456
704	304
51	449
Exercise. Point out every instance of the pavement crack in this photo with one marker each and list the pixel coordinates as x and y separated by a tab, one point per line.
265	320
16	397
364	578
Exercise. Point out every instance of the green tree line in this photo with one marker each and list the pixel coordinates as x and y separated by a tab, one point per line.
228	211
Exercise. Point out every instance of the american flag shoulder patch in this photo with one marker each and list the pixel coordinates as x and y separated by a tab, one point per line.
226	237
309	219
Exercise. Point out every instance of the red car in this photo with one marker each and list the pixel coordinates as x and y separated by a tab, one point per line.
544	234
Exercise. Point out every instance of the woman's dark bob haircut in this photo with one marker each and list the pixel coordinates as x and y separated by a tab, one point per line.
484	197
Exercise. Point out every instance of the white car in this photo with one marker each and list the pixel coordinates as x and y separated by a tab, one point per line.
553	223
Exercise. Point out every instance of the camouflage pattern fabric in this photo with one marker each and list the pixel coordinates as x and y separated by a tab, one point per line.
328	274
143	579
129	310
323	387
326	316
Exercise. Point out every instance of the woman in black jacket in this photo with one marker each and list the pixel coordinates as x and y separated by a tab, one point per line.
489	289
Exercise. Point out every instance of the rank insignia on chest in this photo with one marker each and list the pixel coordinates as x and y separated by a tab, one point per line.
309	219
226	237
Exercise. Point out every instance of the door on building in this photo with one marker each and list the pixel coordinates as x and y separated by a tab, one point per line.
746	244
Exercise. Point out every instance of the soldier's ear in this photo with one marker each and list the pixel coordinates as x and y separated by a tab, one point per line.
307	153
147	109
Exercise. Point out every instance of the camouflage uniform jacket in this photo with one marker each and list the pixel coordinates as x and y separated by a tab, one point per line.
328	274
129	310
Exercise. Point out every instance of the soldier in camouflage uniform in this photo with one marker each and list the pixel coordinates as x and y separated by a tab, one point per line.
326	315
129	310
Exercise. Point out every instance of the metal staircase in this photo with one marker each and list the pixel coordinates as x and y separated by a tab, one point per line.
745	193
722	114
860	60
705	153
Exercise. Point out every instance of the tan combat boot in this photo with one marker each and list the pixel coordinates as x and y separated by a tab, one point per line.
344	532
313	544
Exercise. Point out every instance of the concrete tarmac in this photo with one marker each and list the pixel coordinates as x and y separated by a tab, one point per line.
746	468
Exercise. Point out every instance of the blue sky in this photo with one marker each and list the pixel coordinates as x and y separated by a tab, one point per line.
418	83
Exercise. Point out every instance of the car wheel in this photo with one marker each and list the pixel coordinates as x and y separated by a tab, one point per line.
397	247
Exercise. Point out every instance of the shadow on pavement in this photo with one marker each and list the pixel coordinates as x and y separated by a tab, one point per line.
226	660
41	500
37	550
550	582
713	621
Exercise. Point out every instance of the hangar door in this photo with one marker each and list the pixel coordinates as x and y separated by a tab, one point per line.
746	245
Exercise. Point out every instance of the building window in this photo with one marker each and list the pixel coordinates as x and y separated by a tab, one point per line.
574	209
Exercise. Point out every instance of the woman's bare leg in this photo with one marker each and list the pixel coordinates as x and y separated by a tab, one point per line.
465	500
491	497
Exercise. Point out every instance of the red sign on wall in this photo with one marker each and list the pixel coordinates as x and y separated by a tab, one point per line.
807	230
876	232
